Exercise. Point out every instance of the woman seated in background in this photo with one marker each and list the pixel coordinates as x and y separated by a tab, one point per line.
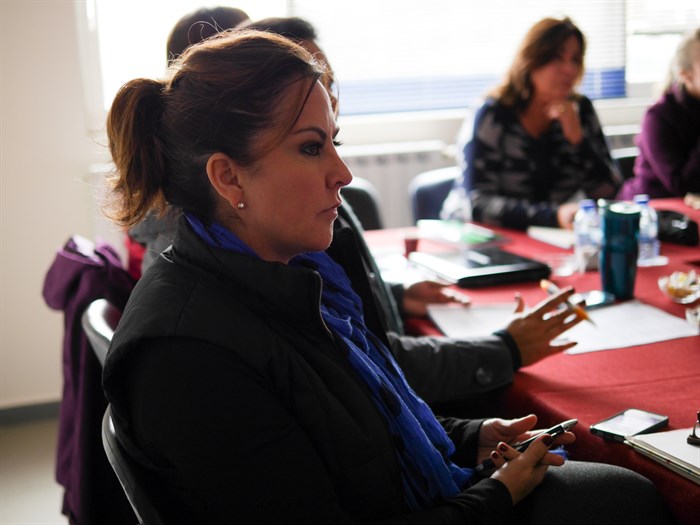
536	146
668	164
246	373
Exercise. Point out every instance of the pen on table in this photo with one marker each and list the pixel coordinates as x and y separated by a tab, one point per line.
487	465
551	288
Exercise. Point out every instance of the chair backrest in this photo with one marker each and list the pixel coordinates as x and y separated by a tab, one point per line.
363	198
429	190
624	158
148	501
142	490
99	320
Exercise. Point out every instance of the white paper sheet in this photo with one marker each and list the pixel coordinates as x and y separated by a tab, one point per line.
627	324
471	321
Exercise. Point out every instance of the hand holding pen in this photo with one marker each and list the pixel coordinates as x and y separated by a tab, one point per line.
537	330
551	289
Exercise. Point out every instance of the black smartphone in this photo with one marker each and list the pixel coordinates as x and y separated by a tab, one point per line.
629	422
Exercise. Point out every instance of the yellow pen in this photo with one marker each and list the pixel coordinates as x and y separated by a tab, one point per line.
551	289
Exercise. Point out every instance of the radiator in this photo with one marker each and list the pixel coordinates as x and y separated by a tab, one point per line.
391	167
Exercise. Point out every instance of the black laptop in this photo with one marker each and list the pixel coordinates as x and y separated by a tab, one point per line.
484	266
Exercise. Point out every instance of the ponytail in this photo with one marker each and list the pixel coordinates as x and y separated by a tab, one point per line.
133	129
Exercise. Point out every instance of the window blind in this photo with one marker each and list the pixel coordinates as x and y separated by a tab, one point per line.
414	55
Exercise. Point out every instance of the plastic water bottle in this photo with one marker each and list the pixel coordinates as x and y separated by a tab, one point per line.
648	232
587	236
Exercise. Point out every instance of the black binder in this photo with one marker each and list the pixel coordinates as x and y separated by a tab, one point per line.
478	267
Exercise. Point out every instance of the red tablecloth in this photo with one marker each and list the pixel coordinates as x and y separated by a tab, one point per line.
661	377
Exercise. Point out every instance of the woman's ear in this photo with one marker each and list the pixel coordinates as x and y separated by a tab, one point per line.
224	175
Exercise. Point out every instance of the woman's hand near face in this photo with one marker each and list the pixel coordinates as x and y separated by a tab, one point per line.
566	112
534	334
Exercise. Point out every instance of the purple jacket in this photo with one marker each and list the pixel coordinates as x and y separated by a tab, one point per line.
80	274
668	164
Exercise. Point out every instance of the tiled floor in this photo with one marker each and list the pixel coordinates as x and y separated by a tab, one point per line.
29	494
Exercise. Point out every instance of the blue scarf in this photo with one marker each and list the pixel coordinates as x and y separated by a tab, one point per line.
428	474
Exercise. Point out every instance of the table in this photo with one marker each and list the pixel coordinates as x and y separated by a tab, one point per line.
660	377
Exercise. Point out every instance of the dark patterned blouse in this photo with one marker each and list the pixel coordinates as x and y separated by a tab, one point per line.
515	180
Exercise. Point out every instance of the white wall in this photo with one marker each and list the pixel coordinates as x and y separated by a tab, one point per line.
45	154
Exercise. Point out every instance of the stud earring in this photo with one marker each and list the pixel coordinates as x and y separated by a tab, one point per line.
240	205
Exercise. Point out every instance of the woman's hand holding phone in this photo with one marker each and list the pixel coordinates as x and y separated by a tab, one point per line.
519	471
495	431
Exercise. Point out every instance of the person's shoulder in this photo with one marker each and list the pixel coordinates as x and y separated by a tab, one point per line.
585	104
154	227
587	113
671	103
664	112
493	110
492	104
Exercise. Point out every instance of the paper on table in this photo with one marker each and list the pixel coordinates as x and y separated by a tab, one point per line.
471	321
671	449
395	268
630	323
626	324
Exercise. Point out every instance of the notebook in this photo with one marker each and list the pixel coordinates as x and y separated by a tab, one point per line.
671	449
483	266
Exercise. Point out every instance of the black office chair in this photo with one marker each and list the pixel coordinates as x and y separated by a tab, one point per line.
363	198
99	320
428	191
142	490
151	505
624	158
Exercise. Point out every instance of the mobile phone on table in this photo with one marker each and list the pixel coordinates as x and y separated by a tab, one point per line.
629	422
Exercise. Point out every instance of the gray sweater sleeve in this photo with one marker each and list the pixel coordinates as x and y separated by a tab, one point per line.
156	234
441	369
